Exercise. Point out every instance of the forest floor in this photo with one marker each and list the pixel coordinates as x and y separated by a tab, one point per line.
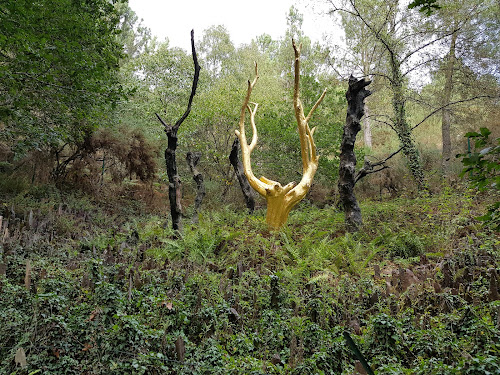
101	286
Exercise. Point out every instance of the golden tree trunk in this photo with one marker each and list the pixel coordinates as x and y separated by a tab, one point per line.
281	199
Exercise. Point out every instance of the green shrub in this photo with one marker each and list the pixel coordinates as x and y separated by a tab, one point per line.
405	245
483	167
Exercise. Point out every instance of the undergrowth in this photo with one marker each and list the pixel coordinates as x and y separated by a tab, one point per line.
112	290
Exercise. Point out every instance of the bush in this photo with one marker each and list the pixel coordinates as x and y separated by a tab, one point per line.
483	167
405	245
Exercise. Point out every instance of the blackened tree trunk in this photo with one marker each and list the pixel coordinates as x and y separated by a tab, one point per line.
174	186
355	95
240	175
192	159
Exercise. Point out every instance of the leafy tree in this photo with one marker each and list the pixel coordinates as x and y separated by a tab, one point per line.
216	49
163	78
403	37
134	36
137	45
471	57
58	70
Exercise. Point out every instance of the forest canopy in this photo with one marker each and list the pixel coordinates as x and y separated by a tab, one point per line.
59	63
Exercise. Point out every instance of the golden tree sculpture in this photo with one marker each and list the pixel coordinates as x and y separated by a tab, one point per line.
281	199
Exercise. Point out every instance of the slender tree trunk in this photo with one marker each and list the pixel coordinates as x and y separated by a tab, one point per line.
446	115
367	125
192	159
246	189
367	131
402	127
355	95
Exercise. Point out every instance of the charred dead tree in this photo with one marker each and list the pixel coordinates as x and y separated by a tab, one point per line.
246	189
174	185
355	95
193	158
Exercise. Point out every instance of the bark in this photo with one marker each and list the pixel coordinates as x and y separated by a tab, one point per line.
192	159
180	349
355	95
446	115
174	186
246	189
402	128
367	132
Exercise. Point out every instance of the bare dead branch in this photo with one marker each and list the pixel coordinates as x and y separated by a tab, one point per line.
195	84
453	103
368	168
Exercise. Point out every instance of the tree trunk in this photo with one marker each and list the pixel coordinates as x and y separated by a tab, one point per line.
281	199
367	132
246	189
402	127
278	209
174	186
355	95
446	115
192	159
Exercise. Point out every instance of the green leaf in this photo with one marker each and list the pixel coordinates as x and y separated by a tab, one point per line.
485	132
425	6
472	134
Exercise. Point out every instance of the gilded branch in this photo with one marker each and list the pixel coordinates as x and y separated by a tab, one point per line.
281	199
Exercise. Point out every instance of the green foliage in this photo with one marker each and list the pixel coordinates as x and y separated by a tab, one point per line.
483	162
58	72
134	36
113	290
402	244
483	168
425	6
481	365
115	296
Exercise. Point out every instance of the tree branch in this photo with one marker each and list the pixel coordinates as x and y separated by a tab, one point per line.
411	53
368	167
195	84
316	105
167	127
453	103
